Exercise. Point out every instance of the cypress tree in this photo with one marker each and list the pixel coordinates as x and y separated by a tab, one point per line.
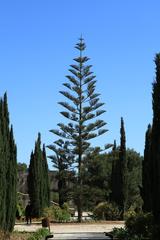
11	184
31	182
83	107
115	174
8	174
119	173
2	176
38	183
155	144
146	190
45	182
34	179
123	169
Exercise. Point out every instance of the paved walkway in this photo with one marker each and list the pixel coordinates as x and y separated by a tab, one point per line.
58	228
78	236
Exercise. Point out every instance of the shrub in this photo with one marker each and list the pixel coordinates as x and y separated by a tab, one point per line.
39	234
120	233
140	225
156	232
128	214
55	213
106	211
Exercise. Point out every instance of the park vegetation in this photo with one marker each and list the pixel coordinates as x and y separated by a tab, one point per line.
113	183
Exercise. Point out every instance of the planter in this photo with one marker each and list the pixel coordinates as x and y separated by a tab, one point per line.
45	222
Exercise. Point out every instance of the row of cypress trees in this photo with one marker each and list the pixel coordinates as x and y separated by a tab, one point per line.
38	179
8	169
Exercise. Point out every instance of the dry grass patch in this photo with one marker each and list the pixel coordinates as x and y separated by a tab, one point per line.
14	236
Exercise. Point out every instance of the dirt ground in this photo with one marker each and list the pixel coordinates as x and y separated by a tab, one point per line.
71	227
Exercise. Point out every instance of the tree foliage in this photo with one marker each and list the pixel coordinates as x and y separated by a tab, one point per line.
96	178
62	162
134	169
8	169
38	181
146	190
119	172
82	110
155	144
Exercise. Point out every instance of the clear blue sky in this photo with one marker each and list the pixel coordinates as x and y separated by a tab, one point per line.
37	41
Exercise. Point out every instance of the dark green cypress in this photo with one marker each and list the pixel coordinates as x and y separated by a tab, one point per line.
38	183
34	179
2	176
123	169
155	144
114	196
31	182
119	174
8	161
45	178
12	183
146	190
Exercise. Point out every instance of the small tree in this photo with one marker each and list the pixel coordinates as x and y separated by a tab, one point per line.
81	110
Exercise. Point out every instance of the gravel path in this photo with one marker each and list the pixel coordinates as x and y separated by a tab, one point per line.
72	227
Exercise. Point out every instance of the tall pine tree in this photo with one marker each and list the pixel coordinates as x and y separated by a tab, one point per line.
82	108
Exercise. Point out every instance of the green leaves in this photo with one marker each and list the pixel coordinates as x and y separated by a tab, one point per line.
69	96
68	106
81	59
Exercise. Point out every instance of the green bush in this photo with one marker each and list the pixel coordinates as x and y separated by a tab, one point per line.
156	232
129	213
106	211
140	225
55	213
120	233
39	234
